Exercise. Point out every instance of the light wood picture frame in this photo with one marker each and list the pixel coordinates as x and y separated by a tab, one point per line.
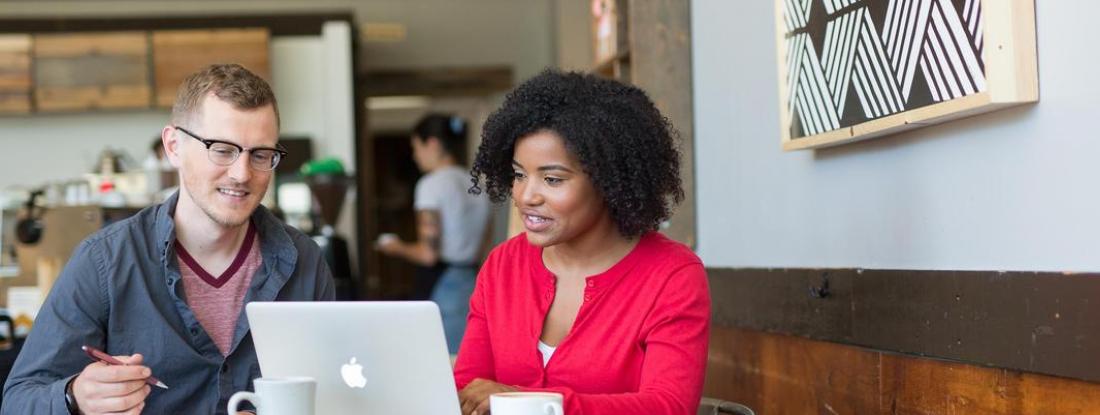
850	70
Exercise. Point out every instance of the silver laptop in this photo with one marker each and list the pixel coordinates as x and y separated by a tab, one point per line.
367	357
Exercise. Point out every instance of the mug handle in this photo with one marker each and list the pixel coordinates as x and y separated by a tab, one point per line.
236	399
553	408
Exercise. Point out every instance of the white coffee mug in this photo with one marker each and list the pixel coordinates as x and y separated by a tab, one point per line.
526	403
278	396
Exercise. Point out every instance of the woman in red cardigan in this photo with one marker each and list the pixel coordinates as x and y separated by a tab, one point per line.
590	301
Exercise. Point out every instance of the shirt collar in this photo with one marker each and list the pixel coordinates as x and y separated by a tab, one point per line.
276	246
603	280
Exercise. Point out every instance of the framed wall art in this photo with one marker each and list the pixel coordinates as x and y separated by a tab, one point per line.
855	69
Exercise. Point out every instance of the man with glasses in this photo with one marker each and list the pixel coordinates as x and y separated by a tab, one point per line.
164	290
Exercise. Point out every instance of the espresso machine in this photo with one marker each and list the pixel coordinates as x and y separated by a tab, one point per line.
328	185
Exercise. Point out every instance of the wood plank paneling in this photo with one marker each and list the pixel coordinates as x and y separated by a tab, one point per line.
88	71
282	24
790	306
660	63
778	374
179	53
287	24
925	386
1036	322
15	74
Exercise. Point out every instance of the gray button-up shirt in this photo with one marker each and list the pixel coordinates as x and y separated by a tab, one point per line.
121	292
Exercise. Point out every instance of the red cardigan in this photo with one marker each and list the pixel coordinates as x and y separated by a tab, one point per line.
638	345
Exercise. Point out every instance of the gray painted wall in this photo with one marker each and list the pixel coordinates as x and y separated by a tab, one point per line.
1011	190
573	34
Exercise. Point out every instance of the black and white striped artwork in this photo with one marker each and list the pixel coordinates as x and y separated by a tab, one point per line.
852	61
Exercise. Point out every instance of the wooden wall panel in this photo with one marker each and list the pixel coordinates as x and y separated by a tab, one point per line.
660	64
280	24
15	74
775	376
778	374
1044	322
923	386
179	53
92	70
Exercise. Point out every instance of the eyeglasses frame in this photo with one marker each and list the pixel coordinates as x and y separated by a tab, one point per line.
240	149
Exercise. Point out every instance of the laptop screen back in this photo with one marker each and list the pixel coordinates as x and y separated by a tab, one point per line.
367	357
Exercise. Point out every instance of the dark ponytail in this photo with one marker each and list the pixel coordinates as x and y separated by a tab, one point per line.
449	129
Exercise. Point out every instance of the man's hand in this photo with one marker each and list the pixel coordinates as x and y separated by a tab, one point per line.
474	398
102	388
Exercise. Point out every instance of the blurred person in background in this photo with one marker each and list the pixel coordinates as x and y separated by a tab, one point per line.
452	224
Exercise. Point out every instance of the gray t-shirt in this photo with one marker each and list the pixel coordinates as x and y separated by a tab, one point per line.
463	216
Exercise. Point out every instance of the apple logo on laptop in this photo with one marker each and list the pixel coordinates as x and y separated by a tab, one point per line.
353	374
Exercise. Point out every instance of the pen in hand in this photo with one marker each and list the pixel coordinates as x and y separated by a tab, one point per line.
98	355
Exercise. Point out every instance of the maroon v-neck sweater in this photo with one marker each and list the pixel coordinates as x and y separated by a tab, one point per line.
217	300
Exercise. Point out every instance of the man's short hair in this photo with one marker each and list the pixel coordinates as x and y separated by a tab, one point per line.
231	83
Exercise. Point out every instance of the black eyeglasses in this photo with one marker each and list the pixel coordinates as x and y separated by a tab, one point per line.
224	153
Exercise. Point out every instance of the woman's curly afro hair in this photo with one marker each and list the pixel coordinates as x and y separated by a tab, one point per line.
625	146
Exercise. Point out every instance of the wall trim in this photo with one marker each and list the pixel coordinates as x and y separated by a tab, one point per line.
1027	321
448	81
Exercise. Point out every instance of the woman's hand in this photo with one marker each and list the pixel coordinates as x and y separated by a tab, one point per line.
389	246
474	398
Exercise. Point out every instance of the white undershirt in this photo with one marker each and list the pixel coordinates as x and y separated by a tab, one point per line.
546	351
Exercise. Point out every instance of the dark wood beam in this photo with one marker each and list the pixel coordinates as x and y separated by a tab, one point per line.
462	81
777	374
1034	322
